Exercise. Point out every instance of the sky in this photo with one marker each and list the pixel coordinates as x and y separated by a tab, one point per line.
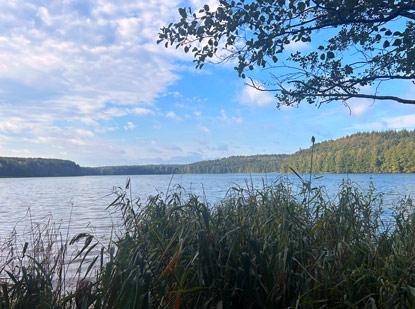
86	81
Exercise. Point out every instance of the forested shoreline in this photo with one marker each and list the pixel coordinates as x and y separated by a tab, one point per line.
38	167
375	152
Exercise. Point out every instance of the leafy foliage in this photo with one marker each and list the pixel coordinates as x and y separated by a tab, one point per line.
376	152
358	44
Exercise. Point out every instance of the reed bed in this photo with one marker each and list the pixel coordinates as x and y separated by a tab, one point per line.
257	248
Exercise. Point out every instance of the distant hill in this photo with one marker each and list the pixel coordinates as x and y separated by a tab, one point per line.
375	152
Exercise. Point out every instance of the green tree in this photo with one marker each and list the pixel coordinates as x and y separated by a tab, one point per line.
365	43
376	152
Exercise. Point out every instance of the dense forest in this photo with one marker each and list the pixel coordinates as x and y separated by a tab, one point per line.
375	152
237	164
131	170
231	165
37	167
34	167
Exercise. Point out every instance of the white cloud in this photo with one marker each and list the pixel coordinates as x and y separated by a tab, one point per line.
174	94
84	132
204	129
72	59
224	117
359	107
198	4
238	119
71	71
399	122
14	124
129	126
253	97
142	111
44	15
173	115
76	141
297	46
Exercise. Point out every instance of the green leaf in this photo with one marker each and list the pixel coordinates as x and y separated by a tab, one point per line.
25	248
397	42
330	55
348	69
317	227
182	12
386	44
66	298
190	290
410	290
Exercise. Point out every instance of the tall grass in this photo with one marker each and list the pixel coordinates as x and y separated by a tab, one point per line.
257	248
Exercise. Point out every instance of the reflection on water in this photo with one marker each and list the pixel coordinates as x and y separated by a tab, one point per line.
82	201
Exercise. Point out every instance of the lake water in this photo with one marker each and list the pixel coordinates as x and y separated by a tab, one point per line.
81	202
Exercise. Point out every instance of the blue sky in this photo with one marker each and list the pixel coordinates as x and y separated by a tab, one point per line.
86	81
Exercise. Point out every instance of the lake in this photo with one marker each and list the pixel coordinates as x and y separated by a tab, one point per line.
81	202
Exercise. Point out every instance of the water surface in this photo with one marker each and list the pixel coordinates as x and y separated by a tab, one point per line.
81	202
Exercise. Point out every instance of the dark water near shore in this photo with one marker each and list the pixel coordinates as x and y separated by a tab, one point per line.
81	202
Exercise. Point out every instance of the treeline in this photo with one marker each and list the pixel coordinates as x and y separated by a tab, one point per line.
131	170
375	152
237	164
231	165
35	167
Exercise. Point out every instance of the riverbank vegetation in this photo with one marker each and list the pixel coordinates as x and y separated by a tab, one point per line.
257	248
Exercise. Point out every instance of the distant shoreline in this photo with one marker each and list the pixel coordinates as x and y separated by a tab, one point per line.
315	174
385	152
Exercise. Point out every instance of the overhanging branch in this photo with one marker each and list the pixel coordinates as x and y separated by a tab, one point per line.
310	92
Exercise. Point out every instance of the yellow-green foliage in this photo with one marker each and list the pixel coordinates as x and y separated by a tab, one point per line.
376	152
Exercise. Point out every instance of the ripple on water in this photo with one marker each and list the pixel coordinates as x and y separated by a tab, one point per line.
81	202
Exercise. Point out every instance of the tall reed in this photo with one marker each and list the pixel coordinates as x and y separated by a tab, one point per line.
257	248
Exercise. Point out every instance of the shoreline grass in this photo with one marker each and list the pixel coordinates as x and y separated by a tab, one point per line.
257	248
